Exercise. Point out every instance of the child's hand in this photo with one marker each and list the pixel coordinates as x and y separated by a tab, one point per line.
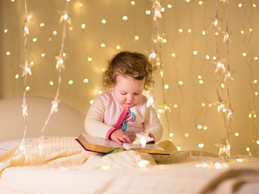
120	137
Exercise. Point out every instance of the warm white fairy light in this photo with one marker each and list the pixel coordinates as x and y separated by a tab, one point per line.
91	102
8	53
103	21
136	37
55	33
132	2
143	163
125	17
59	66
103	45
70	82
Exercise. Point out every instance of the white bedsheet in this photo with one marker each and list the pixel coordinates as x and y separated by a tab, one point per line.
78	171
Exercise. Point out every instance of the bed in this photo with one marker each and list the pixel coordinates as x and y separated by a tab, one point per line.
63	166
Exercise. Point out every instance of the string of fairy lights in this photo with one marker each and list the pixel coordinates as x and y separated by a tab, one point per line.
156	42
250	59
224	147
26	70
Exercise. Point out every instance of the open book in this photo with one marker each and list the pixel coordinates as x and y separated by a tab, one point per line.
97	144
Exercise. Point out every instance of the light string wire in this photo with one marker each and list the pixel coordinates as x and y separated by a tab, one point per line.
59	66
175	64
252	105
224	147
201	80
195	81
26	70
155	56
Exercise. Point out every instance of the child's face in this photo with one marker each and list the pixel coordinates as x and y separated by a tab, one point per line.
127	90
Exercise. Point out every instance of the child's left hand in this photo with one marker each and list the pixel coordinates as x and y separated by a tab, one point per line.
120	137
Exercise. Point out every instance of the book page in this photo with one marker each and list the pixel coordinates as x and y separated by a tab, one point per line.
148	146
101	142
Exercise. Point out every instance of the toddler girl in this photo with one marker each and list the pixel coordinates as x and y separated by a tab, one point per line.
120	113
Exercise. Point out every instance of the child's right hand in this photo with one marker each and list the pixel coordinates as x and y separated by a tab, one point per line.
120	137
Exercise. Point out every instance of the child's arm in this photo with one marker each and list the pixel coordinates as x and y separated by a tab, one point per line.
152	124
94	120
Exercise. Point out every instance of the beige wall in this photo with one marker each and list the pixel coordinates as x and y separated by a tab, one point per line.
83	43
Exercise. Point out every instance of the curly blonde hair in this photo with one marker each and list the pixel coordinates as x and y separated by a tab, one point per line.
133	64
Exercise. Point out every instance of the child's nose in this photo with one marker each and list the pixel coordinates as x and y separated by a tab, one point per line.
130	98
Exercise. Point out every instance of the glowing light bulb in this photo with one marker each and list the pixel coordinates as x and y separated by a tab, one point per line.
51	83
180	30
254	5
250	29
186	134
89	59
100	92
166	86
217	165
16	76
240	5
5	30
70	82
169	6
207	57
175	106
255	58
195	52
136	37
143	163
248	149
124	17
132	3
200	2
42	24
179	148
203	32
214	57
236	134
203	104
199	127
42	54
153	55
83	26
256	93
189	30
8	53
102	45
205	127
85	80
54	32
180	82
91	102
159	110
158	115
118	47
148	12
80	4
173	55
201	81
34	39
244	54
201	145
242	31
103	69
103	21
28	88
222	85
49	39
